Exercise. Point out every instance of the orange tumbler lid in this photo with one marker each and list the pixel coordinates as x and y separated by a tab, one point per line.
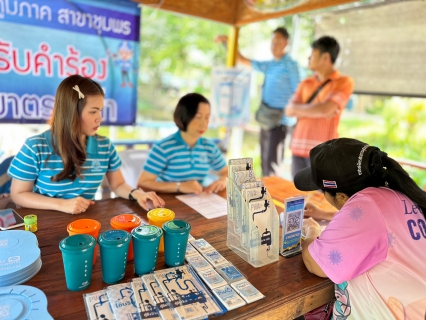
84	226
125	221
160	214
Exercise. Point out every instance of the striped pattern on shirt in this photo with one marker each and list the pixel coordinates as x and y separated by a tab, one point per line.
37	163
281	80
172	160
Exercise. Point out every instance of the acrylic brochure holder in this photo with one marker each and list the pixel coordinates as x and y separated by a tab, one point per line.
253	226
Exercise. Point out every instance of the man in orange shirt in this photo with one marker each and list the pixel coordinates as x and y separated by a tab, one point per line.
318	112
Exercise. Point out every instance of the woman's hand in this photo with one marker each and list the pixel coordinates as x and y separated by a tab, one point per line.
148	200
313	211
311	228
316	213
76	205
191	186
216	186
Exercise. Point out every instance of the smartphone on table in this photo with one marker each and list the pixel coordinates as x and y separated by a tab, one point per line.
10	219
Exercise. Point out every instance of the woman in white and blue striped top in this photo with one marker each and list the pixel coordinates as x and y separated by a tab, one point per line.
62	168
182	161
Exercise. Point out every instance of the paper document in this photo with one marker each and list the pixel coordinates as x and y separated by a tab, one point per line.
209	205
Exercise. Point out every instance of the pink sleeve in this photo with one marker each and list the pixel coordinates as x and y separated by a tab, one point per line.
355	240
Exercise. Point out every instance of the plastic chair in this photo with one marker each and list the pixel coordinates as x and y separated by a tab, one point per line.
132	163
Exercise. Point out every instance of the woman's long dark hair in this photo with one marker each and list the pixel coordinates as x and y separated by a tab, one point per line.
386	172
66	137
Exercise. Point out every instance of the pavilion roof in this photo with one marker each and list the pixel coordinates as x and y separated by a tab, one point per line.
234	12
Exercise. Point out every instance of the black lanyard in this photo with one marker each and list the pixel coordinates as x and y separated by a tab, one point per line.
318	90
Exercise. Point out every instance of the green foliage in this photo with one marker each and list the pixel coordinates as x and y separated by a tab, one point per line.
397	126
177	53
174	43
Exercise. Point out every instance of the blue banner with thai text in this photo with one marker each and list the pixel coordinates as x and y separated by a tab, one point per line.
43	41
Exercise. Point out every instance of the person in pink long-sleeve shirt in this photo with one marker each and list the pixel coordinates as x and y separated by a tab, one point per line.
374	246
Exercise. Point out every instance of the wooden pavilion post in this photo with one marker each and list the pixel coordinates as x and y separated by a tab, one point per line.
231	59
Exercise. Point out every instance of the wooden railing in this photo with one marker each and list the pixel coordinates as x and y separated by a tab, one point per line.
414	164
411	163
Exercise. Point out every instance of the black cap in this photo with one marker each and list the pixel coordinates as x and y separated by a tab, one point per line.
337	165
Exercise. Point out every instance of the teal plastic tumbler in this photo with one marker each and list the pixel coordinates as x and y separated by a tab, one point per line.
114	245
146	241
77	255
176	234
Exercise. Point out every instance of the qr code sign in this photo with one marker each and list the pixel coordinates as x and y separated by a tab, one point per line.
293	221
4	311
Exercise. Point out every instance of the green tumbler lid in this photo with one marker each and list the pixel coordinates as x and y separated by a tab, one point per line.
77	242
114	238
30	219
147	232
177	226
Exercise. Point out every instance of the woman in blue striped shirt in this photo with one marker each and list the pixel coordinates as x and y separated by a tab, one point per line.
62	168
182	161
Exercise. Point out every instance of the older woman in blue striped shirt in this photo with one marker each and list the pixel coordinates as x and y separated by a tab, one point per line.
182	162
62	168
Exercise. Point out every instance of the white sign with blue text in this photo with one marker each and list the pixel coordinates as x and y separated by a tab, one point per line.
230	98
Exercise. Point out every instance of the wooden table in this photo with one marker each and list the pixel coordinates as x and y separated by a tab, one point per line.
290	289
281	189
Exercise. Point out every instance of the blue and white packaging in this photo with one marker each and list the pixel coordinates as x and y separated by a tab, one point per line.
230	273
123	302
159	298
261	240
234	165
214	258
201	245
241	177
251	191
186	293
229	298
198	262
247	291
146	307
97	305
190	250
212	278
